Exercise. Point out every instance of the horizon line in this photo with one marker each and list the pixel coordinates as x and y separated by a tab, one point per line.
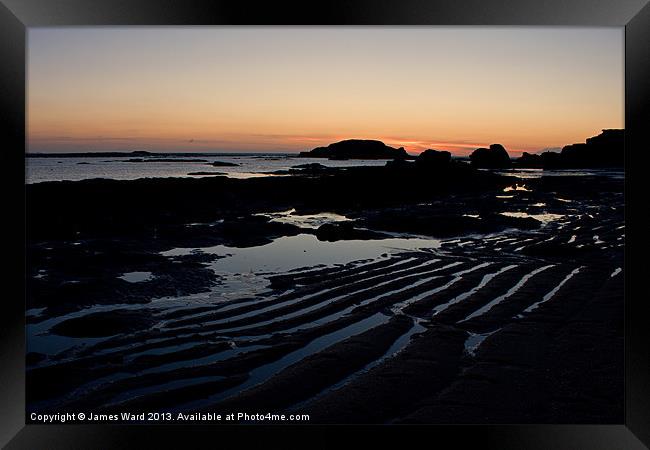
413	146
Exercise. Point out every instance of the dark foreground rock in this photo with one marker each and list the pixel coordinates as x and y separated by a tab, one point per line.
356	149
145	208
495	157
89	274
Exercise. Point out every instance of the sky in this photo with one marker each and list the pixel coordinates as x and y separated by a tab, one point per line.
288	89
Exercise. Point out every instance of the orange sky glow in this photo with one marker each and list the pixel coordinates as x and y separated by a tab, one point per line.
289	89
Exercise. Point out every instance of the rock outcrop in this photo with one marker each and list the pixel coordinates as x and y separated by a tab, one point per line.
602	151
356	149
495	157
433	159
530	160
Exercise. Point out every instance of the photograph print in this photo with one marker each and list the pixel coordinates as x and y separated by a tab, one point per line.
325	225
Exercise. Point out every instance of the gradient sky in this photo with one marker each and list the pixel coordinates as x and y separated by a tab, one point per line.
294	88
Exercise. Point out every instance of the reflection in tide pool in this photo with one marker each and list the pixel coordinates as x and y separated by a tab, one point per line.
517	187
544	218
292	252
538	173
304	220
137	277
243	273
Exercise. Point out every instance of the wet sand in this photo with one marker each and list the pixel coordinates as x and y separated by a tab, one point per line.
504	318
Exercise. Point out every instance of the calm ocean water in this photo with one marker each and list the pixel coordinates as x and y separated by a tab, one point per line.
38	169
249	165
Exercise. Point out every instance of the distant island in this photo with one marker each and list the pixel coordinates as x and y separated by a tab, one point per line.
356	149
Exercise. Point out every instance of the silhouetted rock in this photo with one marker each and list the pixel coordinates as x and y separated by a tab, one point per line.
551	160
433	158
530	160
223	164
495	157
356	149
613	138
604	150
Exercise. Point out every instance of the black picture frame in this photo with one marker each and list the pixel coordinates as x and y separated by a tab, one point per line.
18	15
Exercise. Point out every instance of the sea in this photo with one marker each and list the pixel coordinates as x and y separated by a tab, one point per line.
41	169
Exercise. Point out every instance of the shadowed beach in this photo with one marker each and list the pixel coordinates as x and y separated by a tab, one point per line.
425	290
